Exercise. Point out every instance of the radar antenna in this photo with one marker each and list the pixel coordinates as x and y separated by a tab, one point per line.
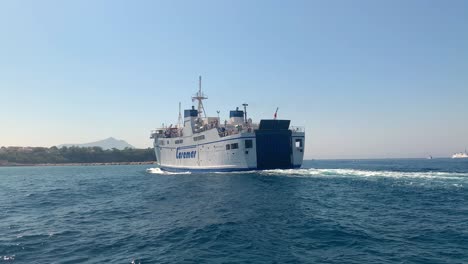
200	97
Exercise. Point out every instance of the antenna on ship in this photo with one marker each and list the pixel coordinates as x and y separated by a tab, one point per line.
200	97
179	122
245	112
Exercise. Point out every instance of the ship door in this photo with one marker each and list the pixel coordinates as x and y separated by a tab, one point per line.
274	149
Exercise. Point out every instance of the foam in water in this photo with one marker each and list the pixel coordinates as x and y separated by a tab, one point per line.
335	172
365	173
9	258
162	172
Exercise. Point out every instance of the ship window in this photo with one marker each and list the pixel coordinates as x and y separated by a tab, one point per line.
298	143
228	147
199	138
179	141
234	146
248	143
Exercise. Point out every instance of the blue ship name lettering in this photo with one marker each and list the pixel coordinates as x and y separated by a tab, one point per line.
186	154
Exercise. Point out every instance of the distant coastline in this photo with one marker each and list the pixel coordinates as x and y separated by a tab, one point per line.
12	164
73	156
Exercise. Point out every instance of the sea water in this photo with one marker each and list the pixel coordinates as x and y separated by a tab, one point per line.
363	211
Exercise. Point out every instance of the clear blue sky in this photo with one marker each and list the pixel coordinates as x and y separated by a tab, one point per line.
368	79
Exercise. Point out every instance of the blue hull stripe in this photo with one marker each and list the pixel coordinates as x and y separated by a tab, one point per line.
172	169
192	146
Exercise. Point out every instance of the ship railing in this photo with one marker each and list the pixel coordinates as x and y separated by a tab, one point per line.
166	133
224	132
228	133
297	128
155	133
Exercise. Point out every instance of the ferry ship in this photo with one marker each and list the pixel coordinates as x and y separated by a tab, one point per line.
201	143
460	155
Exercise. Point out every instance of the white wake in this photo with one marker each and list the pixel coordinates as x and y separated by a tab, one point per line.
365	173
311	172
163	172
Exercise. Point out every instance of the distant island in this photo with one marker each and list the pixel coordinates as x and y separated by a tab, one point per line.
74	155
108	143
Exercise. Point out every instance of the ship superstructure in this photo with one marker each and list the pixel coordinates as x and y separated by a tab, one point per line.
460	155
204	143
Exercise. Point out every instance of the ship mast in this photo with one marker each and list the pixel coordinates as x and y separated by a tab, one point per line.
200	97
179	123
245	112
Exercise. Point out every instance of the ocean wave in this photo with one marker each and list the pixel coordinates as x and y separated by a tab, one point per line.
163	172
364	173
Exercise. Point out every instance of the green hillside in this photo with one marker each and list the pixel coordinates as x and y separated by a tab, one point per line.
41	155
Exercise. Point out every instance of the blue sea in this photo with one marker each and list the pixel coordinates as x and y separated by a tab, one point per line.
333	211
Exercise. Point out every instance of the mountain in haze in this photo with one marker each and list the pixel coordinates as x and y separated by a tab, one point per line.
108	143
